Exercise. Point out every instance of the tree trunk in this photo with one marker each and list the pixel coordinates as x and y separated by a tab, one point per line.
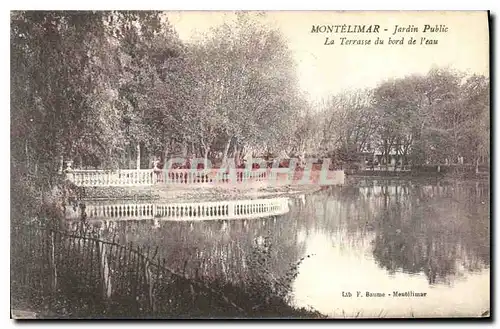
27	156
138	160
205	160
236	155
477	165
184	148
165	151
193	150
226	150
396	161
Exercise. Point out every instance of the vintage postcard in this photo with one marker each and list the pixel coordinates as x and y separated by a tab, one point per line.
281	164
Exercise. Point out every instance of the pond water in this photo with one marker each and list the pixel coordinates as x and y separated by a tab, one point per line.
380	237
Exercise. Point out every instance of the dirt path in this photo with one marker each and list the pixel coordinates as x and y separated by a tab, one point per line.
199	193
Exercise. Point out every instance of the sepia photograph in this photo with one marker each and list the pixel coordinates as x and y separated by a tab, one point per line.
250	164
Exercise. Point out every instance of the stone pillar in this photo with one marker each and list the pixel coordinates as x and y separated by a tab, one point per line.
138	151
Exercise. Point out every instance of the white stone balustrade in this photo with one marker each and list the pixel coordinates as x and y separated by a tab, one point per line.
111	178
148	177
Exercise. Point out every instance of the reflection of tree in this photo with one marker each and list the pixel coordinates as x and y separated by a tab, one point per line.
438	229
217	249
428	231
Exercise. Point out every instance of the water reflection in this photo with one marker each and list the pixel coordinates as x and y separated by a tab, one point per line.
432	230
397	236
365	236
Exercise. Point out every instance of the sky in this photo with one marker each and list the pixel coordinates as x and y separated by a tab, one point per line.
328	69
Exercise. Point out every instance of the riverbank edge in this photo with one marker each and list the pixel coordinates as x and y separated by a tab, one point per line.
198	194
24	310
418	175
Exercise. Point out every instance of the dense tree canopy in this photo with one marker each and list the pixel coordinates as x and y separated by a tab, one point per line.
434	118
91	86
97	87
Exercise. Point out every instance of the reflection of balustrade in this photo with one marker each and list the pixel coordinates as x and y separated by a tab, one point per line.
122	211
189	211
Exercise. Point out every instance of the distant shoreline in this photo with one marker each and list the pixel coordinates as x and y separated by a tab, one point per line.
413	174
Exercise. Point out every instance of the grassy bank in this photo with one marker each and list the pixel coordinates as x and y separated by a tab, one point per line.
74	274
199	194
62	307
